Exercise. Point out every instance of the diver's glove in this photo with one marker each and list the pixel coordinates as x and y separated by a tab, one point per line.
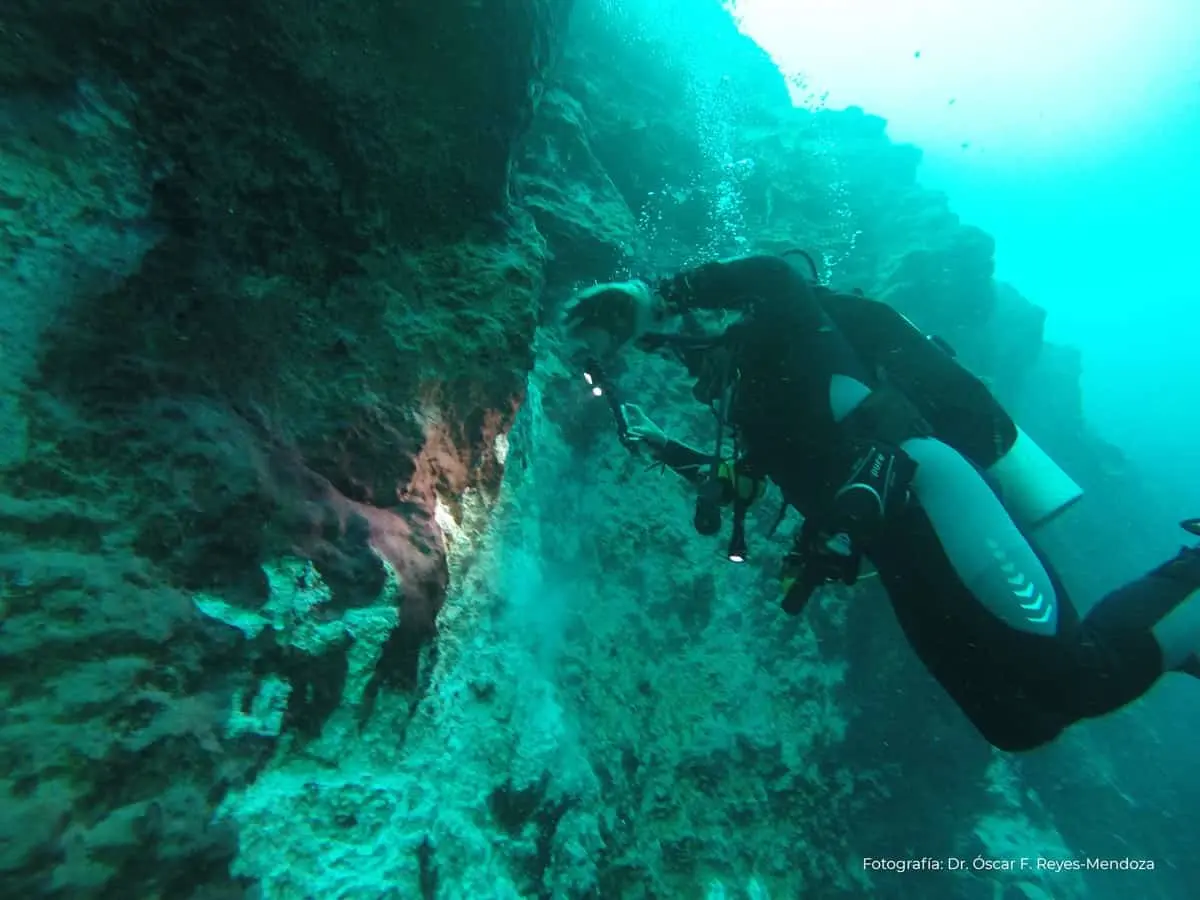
640	427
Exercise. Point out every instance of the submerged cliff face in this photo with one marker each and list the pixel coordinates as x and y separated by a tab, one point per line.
319	572
745	753
267	310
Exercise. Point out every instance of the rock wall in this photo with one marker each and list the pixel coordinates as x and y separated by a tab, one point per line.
267	312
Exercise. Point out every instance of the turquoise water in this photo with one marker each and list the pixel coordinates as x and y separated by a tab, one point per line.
1070	131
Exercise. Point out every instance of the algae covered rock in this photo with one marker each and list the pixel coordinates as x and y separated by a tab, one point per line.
267	304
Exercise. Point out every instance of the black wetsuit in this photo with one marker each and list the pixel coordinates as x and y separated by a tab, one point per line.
1019	689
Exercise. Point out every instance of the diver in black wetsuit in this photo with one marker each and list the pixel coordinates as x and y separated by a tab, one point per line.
891	450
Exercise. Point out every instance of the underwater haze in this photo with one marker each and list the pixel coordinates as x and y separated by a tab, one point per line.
1069	130
330	571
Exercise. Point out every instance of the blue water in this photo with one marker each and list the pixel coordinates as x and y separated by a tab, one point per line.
1070	131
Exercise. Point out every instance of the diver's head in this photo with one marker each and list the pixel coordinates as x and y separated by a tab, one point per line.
600	319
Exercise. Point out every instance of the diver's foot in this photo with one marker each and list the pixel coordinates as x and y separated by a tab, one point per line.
1178	631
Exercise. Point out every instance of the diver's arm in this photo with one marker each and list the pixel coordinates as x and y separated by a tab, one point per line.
958	404
877	331
732	284
683	460
675	455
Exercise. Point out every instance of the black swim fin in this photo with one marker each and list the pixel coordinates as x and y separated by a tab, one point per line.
1191	526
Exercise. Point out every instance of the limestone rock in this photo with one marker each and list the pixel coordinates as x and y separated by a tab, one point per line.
266	297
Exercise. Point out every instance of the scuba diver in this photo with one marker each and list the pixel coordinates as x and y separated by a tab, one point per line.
894	452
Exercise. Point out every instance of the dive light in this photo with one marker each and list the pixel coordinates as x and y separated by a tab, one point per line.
597	390
737	540
595	376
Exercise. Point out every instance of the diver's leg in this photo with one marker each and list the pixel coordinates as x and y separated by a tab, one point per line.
1178	636
1019	689
1021	682
1165	602
1130	639
986	549
996	675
